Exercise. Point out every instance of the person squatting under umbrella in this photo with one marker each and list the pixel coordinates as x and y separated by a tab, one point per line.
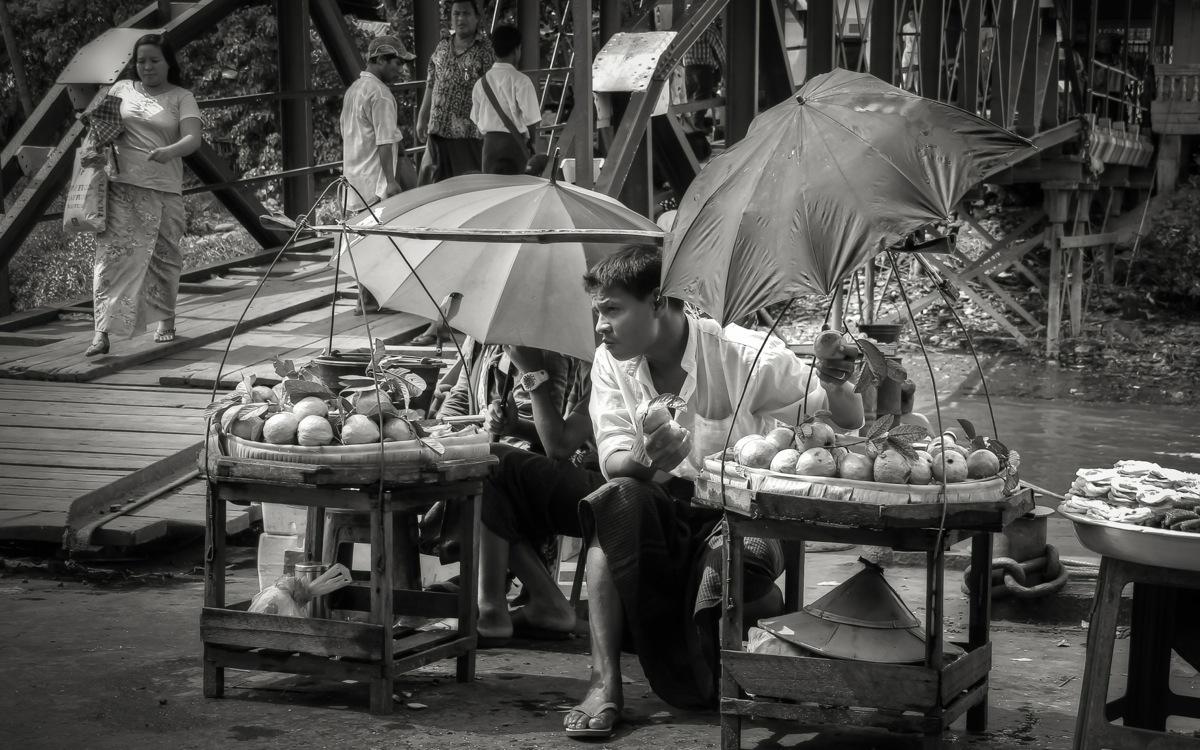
653	561
138	258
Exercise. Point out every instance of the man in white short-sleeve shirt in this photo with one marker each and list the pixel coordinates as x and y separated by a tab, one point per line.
370	132
505	150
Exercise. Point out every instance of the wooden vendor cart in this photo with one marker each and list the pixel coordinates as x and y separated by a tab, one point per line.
373	651
825	692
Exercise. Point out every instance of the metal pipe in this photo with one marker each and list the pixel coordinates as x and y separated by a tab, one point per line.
1091	61
581	43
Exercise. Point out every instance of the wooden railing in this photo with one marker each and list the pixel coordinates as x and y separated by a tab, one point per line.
1116	93
1175	109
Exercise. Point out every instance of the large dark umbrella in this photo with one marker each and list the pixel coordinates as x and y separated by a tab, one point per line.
822	182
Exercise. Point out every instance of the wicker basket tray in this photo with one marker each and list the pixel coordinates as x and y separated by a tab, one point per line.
851	490
467	443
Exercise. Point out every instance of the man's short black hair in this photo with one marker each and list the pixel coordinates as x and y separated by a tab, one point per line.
636	269
505	39
474	5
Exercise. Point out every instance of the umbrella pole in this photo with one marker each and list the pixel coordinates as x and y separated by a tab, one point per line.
868	308
837	309
337	265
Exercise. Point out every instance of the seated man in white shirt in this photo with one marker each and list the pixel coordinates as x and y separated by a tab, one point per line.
653	561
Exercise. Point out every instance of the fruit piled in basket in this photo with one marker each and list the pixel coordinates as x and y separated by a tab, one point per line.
1137	492
303	410
888	452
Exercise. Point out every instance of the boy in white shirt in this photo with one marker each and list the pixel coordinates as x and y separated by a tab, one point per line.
505	117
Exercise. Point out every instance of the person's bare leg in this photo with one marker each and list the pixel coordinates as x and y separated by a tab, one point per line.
547	607
494	621
606	617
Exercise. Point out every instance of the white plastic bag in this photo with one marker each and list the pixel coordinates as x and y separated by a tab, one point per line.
289	596
86	208
279	599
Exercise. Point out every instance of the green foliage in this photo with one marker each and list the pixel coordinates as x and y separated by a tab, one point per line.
49	33
1167	265
53	267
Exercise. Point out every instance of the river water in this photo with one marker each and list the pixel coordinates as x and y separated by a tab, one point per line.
1055	438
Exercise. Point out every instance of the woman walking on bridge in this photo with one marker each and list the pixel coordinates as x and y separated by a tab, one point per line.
138	260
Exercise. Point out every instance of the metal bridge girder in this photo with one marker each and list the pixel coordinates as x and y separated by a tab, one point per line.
641	105
47	184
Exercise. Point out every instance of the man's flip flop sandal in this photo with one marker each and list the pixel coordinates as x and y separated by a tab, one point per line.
596	733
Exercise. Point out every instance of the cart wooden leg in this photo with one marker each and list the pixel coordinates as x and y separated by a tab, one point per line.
214	677
979	617
468	604
935	583
793	580
382	574
1146	704
1098	665
214	580
731	628
314	536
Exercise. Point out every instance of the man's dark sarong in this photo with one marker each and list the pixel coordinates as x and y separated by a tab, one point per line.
665	557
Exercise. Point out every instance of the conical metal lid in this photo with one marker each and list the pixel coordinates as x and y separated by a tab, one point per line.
865	599
863	618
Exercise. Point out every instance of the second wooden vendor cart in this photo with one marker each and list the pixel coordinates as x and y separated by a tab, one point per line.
820	692
374	651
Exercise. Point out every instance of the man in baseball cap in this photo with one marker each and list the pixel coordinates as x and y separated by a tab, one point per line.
370	128
388	46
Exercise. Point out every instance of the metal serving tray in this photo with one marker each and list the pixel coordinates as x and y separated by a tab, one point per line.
1139	544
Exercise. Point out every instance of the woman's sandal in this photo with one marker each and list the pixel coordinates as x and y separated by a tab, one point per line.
163	335
596	733
97	347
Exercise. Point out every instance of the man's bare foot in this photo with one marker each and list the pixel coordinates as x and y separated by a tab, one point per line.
494	622
543	617
598	712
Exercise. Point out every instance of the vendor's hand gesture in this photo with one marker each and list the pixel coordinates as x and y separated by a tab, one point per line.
160	155
668	446
526	358
835	372
835	359
422	130
500	418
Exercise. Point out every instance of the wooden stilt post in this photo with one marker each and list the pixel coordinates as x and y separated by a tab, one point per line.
1057	201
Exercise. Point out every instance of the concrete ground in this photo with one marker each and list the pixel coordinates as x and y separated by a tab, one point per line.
117	665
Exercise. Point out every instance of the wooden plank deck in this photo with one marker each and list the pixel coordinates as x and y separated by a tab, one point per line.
108	444
60	442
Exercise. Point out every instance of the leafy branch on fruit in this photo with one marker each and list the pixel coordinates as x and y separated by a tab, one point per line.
394	381
1010	460
876	368
805	430
887	432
